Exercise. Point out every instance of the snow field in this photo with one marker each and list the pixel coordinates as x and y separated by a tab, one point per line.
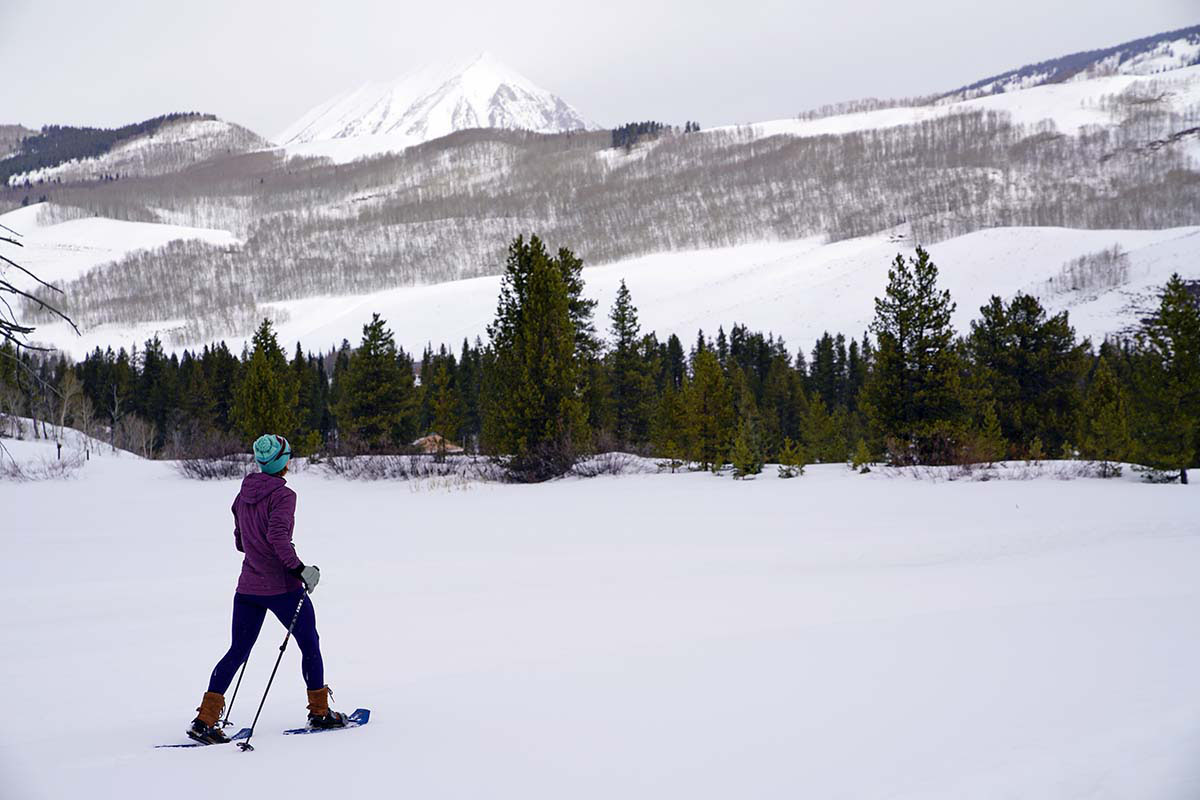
655	636
1071	106
797	289
61	252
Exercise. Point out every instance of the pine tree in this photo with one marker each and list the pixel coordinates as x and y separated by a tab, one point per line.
534	414
1032	366
377	403
630	380
1168	381
669	432
824	433
445	406
990	444
1104	428
710	412
791	459
265	398
912	396
747	454
862	459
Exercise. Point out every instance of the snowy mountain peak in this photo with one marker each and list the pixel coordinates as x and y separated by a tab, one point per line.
434	101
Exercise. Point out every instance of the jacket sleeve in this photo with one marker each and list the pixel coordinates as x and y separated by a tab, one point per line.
281	517
237	533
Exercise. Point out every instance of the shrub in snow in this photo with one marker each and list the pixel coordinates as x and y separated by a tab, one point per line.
614	463
414	467
42	469
861	460
791	459
747	455
233	465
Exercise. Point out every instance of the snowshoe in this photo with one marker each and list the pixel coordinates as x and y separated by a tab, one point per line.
331	719
207	734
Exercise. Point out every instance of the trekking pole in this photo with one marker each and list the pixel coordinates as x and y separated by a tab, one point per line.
244	746
225	723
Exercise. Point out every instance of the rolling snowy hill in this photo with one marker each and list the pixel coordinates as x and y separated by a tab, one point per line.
61	250
169	147
425	104
1145	56
797	290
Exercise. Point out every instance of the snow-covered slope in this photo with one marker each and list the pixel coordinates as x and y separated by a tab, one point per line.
651	637
1146	56
1071	106
796	289
61	251
425	104
174	146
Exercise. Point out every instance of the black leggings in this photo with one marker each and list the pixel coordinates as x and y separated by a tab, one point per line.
249	610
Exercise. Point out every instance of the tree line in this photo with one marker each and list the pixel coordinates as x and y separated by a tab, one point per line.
547	387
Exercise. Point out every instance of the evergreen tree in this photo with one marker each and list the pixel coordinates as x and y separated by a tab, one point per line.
1033	368
791	459
747	454
710	412
265	399
675	365
377	406
1104	431
534	412
824	433
670	429
445	406
862	459
1168	383
912	397
628	370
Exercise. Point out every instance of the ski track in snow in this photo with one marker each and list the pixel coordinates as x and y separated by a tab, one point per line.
656	636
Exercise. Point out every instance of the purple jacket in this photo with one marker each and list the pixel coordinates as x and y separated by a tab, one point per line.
264	514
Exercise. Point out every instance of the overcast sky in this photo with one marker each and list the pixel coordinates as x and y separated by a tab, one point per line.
263	63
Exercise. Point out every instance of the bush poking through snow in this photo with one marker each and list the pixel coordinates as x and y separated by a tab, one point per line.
614	463
414	467
861	460
214	456
233	465
791	459
43	469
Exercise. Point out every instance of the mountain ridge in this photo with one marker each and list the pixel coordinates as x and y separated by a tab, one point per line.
433	101
1142	56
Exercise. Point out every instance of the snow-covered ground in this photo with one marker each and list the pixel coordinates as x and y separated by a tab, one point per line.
797	289
651	636
58	252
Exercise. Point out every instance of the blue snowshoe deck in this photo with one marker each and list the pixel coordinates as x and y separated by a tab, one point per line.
244	733
359	718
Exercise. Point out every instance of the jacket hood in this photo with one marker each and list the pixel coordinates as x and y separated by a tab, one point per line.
258	485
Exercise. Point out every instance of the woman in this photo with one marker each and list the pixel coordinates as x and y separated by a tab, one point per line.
273	579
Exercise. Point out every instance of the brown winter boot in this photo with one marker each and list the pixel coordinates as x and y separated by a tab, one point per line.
319	715
206	727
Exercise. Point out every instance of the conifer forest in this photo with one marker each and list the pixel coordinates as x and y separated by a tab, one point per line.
553	378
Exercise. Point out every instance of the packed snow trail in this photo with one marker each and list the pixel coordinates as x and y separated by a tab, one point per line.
654	636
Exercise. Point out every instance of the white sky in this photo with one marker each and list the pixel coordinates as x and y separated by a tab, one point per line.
263	63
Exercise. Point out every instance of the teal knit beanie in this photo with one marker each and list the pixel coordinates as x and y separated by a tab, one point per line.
272	453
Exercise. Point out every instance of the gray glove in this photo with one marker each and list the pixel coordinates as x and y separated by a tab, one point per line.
311	575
